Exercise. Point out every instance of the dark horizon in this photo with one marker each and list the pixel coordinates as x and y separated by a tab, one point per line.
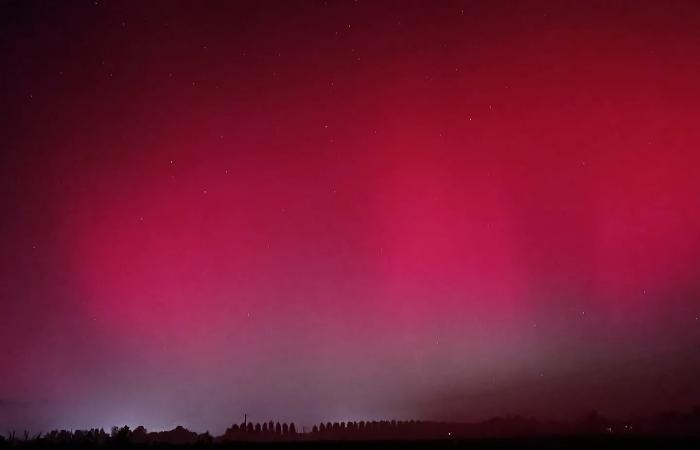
664	424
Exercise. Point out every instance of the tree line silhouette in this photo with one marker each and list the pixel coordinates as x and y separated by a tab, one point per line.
266	430
591	424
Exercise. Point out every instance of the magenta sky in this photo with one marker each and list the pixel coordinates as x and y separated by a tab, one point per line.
347	210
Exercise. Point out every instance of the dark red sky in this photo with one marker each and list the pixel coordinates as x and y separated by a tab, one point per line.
347	210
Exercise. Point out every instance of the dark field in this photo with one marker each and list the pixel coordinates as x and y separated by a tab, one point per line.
491	443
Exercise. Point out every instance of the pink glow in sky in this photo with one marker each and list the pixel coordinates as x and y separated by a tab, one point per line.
347	210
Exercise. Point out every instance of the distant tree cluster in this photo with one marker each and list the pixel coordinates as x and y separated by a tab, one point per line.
265	431
382	429
92	436
118	436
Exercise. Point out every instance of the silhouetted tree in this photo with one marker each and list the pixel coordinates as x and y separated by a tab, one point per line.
292	428
139	435
264	427
121	435
101	436
278	429
314	429
285	428
205	438
257	428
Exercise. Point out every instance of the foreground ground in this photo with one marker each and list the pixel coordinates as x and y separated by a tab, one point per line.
670	443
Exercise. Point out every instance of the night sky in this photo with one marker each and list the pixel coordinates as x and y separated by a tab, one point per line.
319	210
